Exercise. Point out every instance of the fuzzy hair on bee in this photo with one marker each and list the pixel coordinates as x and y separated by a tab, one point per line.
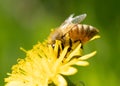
72	29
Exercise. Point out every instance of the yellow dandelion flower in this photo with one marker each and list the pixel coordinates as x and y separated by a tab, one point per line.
44	65
48	62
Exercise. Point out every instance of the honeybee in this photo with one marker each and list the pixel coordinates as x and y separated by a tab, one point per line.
72	29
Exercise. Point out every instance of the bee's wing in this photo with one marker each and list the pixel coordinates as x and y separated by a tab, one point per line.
67	22
79	18
71	20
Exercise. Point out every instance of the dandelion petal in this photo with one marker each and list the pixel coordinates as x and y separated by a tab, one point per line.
69	71
15	83
60	81
82	63
87	56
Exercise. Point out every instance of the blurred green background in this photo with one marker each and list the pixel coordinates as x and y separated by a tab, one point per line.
25	22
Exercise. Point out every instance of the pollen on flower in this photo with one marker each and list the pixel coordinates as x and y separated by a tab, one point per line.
44	65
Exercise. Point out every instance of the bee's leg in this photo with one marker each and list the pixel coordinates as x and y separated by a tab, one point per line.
58	52
62	44
70	42
80	42
70	45
81	46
